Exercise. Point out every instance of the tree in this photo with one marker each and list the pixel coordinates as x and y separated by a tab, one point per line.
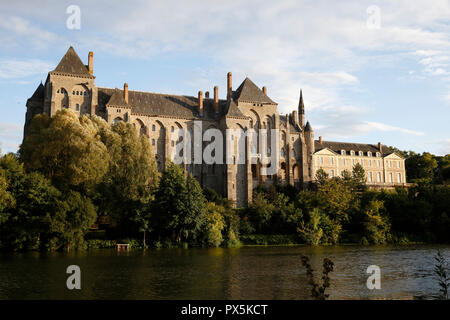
214	225
260	211
358	178
24	223
376	225
65	149
127	188
70	222
321	177
311	232
179	206
420	166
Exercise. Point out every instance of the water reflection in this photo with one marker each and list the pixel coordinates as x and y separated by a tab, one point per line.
238	273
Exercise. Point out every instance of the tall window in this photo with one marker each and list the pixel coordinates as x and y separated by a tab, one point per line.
370	176
399	178
390	177
332	161
379	177
77	107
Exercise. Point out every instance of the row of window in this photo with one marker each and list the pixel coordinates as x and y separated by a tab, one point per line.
371	178
77	107
77	93
344	162
360	153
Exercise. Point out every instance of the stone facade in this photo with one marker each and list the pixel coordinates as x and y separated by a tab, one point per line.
72	85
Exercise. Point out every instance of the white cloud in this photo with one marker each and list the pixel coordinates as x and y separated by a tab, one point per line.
385	127
12	69
10	136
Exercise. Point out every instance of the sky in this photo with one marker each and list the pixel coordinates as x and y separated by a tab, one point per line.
370	71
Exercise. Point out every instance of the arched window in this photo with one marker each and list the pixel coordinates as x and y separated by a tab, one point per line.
77	107
343	152
352	153
369	154
292	153
153	127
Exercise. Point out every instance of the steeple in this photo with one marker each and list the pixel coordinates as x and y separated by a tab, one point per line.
308	127
301	111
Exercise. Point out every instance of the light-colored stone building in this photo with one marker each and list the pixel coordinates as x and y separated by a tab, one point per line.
72	85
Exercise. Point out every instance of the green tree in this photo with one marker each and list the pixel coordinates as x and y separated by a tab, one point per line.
260	211
311	232
358	178
179	206
127	188
420	166
70	222
24	223
376	225
214	225
65	149
321	177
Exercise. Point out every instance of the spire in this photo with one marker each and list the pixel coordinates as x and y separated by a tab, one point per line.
301	111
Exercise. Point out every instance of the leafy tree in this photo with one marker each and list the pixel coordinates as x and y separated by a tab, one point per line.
321	177
420	166
24	223
376	225
311	232
179	206
65	149
358	178
126	189
70	222
260	211
214	225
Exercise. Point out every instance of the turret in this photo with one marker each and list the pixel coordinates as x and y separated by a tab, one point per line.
301	111
309	137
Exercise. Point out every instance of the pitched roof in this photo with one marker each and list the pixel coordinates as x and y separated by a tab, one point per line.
71	64
349	146
159	104
117	99
308	127
39	93
249	92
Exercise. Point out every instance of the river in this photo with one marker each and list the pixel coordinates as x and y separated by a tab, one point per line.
220	273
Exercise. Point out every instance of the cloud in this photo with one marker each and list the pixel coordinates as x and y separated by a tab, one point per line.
10	136
385	127
13	69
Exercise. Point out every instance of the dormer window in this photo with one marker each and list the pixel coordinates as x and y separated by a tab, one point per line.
352	153
369	154
360	153
378	154
343	152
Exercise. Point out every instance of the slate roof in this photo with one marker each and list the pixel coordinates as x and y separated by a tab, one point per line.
159	104
293	129
249	92
72	64
348	146
39	93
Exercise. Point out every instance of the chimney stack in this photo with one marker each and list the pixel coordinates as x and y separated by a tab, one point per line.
207	95
264	89
125	92
380	147
216	99
200	103
91	62
229	86
320	139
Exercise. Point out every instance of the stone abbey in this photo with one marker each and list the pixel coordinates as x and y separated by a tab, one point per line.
72	85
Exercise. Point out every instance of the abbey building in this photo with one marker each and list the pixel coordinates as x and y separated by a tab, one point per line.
72	85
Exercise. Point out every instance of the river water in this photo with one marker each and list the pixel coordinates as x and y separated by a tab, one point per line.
220	273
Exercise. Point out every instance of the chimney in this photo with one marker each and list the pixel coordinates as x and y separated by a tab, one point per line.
264	89
320	139
216	99
200	103
229	86
294	117
380	147
207	95
91	62
125	92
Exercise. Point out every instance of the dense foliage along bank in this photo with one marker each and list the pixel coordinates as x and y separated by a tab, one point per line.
73	172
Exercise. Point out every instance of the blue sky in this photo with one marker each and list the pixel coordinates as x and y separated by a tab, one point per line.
366	75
